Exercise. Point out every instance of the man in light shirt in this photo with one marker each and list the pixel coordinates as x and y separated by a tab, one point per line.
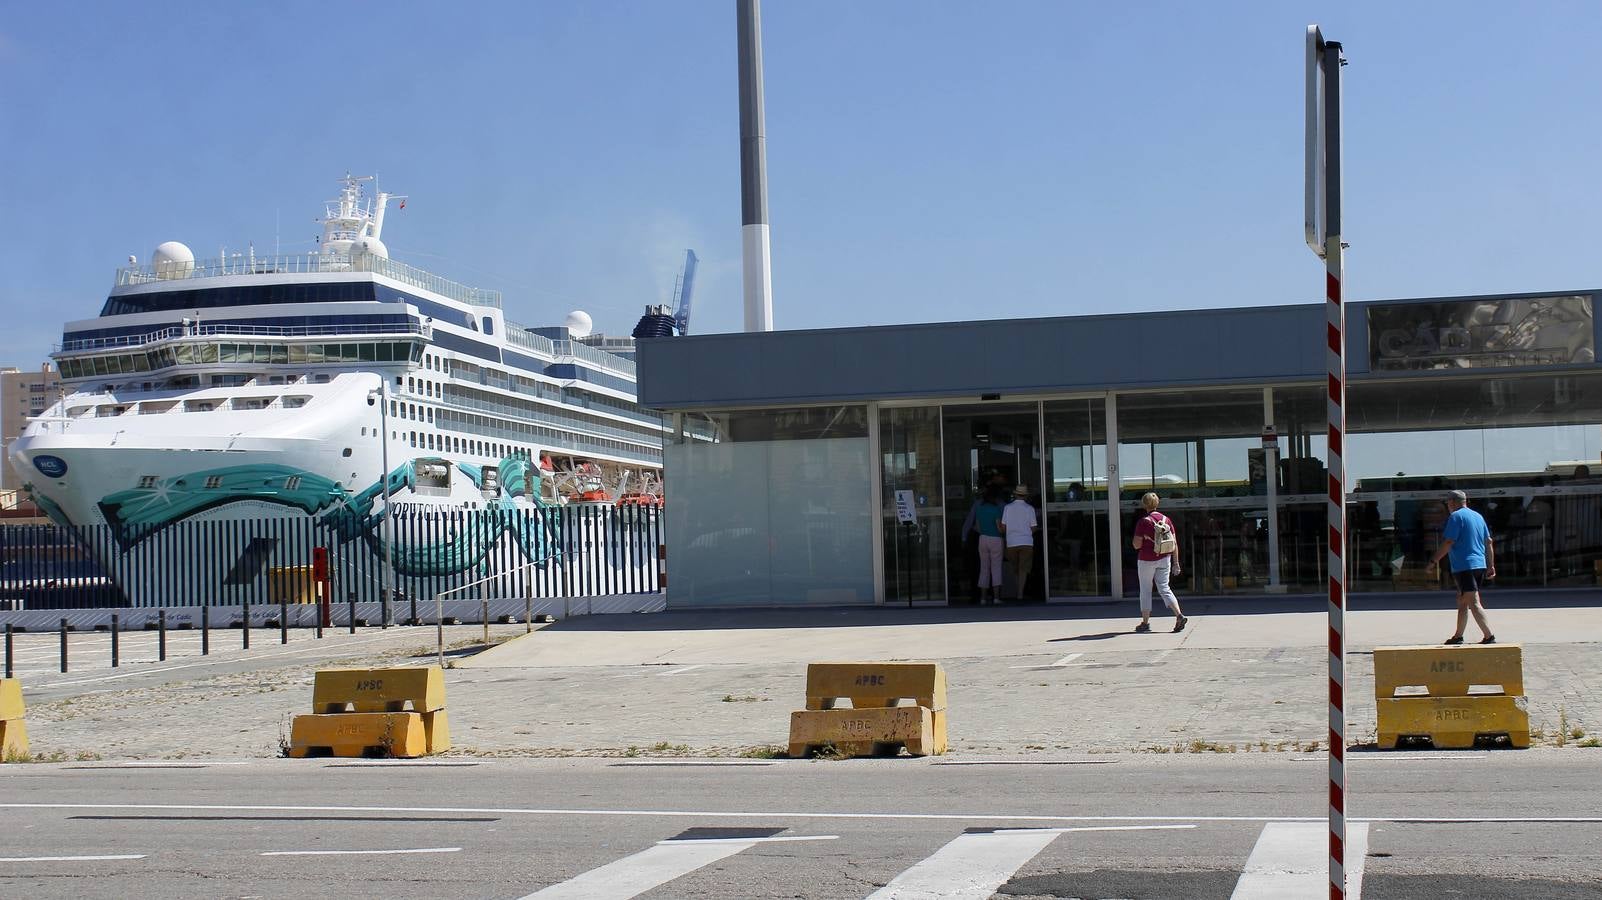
1018	527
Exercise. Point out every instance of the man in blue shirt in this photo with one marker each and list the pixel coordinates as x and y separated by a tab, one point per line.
1467	540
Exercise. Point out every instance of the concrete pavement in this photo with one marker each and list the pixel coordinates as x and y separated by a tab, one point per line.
1487	825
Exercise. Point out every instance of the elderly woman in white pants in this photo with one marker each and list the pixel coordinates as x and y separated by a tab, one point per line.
1155	562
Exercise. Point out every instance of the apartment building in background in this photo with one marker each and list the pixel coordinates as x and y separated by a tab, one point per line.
23	393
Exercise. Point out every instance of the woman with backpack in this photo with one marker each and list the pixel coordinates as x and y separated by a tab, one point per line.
1157	557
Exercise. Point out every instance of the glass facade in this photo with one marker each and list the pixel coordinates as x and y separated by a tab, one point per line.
777	505
1249	503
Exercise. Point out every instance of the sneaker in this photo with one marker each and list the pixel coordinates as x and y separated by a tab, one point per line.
1144	626
1179	625
1489	639
1453	641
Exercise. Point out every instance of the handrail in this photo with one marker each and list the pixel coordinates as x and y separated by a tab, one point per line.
179	331
307	263
528	604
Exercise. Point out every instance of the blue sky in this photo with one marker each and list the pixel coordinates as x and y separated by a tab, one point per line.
927	160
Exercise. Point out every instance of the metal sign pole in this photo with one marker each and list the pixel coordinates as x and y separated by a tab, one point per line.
1323	232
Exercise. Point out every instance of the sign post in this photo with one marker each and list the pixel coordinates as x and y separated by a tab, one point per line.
1323	234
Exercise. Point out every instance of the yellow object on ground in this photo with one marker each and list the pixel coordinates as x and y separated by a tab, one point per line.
1453	722
364	712
1451	695
400	735
876	721
13	731
864	732
1449	671
11	705
419	689
291	584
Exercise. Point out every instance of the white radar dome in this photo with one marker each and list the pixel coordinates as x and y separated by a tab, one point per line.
172	260
362	250
579	323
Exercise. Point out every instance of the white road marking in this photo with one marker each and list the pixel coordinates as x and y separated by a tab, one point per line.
971	866
782	814
361	852
1291	859
680	670
1056	665
652	867
23	859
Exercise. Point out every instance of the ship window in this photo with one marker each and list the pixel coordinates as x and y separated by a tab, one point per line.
213	482
489	325
346	451
295	402
314	353
413	436
280	354
292	483
383	352
368	352
320	378
147	481
297	353
411	385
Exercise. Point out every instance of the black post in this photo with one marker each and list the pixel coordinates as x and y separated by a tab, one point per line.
244	626
351	622
161	635
205	630
283	619
383	612
63	645
8	650
114	641
413	598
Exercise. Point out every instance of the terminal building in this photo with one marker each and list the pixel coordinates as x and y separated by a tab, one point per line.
838	466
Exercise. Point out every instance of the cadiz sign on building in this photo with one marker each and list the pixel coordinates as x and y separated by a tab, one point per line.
1471	334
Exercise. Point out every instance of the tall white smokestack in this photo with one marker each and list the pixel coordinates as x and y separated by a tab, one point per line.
754	172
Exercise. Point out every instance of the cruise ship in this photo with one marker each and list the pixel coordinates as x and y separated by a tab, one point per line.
338	385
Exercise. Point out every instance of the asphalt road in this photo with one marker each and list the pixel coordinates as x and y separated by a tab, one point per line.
1483	825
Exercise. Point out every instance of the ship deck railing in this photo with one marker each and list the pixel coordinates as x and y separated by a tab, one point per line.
307	264
595	357
177	332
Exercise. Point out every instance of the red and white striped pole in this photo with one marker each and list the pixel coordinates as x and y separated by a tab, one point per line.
1324	221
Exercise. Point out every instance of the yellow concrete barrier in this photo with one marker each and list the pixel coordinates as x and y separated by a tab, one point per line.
1453	722
1449	671
878	731
876	692
400	735
1450	695
11	705
364	712
13	730
422	688
875	684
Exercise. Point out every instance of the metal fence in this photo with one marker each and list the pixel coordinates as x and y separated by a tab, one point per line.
569	551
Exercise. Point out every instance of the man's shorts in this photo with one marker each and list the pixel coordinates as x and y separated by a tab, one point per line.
1469	581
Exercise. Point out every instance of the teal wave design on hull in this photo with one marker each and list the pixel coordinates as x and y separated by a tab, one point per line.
137	513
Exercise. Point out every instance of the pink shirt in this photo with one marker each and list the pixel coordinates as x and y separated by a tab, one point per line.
1145	530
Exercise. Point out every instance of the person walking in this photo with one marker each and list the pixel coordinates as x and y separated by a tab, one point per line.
1466	541
1157	556
986	518
1018	526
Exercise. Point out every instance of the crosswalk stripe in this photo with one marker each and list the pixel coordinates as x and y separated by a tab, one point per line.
636	874
1291	859
972	866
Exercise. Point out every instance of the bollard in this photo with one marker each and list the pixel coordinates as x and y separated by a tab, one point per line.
415	620
486	618
161	635
283	620
205	630
244	625
383	614
8	650
114	640
63	645
320	613
351	622
528	614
